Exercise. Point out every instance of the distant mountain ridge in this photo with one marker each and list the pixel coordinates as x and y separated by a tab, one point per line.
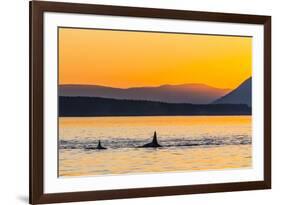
185	93
241	95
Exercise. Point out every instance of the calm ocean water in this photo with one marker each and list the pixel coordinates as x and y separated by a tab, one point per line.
189	143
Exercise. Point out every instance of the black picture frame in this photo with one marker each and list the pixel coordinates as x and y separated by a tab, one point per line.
37	9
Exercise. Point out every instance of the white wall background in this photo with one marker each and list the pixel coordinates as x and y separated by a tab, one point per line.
14	101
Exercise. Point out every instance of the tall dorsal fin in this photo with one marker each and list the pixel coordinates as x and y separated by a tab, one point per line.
154	141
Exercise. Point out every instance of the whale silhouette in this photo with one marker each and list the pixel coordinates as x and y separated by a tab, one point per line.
90	147
100	146
154	142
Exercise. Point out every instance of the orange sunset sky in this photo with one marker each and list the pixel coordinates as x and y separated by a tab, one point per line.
133	59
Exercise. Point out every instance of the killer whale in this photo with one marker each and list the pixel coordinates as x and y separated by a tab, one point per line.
100	146
154	142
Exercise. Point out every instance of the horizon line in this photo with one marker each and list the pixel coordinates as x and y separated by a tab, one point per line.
148	86
154	86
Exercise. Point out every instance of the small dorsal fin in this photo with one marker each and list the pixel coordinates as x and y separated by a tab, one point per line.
100	146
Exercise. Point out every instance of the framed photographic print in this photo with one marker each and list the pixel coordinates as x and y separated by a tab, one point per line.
139	102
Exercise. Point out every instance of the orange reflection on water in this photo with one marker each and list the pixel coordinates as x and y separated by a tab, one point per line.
127	160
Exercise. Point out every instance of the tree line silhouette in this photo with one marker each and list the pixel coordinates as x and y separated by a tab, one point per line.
96	106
